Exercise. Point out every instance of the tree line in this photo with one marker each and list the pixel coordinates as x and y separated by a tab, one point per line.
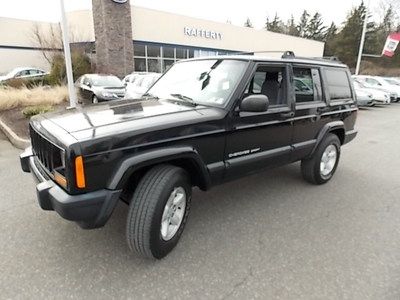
343	40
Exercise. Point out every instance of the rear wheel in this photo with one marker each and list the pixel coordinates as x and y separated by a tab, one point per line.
158	211
321	166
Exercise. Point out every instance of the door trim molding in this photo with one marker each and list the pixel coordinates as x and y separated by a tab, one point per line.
259	156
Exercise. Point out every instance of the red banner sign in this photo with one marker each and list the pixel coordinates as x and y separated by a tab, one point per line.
391	44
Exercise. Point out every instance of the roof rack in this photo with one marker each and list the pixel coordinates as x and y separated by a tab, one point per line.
288	54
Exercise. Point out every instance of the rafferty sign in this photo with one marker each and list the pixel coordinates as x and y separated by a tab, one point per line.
208	34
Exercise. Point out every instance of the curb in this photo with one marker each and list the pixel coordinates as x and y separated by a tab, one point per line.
14	139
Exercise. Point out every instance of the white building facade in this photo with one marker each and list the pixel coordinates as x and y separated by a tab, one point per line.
159	39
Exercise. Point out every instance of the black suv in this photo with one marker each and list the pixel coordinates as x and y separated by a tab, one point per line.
204	122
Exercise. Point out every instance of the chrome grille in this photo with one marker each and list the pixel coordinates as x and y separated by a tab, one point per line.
47	153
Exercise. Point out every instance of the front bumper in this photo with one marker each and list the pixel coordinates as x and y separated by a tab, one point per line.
89	210
381	101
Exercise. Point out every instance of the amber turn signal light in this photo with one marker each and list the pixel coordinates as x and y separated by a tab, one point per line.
79	172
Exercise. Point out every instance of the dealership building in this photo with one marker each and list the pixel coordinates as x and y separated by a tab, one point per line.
159	39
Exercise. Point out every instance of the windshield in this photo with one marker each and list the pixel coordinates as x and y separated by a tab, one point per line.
106	81
358	85
208	81
392	82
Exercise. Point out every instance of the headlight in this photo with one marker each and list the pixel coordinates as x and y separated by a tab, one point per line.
59	172
107	94
62	155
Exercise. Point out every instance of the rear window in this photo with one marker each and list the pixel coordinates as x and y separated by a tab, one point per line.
338	84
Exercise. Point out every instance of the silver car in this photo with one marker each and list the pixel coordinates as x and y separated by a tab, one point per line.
138	84
24	73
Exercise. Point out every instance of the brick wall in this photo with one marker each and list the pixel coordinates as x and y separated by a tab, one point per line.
113	32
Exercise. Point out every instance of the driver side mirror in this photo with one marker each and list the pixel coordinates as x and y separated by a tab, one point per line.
254	103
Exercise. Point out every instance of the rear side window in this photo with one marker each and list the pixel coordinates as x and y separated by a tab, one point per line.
307	84
338	84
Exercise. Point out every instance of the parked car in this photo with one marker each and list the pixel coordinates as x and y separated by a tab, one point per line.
380	83
23	73
138	84
132	77
96	88
204	122
378	96
392	81
364	98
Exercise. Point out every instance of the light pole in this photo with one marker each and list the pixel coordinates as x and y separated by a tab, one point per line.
360	50
67	55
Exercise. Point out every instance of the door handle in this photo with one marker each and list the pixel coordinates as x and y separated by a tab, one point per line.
287	115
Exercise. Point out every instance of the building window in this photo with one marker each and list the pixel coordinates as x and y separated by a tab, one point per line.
154	65
140	64
153	51
152	58
139	50
181	53
168	63
169	52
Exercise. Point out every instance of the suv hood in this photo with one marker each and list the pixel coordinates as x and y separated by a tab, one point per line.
128	116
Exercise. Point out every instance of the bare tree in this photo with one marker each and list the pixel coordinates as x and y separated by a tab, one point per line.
48	39
389	8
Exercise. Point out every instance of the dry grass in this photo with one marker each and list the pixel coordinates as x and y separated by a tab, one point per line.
369	68
11	98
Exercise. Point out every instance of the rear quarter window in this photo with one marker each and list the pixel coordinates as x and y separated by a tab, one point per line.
338	84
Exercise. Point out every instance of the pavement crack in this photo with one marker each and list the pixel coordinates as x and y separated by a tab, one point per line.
249	274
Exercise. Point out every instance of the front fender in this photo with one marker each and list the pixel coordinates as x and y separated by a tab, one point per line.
157	156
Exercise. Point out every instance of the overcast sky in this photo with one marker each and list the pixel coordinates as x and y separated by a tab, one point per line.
221	11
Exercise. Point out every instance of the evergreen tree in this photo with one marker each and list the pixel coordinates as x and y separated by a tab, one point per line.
388	22
248	23
314	28
302	27
331	32
329	39
276	25
346	44
291	28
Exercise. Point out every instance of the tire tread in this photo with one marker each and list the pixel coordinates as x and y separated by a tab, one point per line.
143	205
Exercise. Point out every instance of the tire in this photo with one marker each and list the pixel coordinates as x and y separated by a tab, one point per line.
311	167
148	207
95	99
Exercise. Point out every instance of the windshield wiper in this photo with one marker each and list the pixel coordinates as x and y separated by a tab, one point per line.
205	76
150	96
184	98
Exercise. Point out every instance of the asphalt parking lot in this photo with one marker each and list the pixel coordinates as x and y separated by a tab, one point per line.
270	236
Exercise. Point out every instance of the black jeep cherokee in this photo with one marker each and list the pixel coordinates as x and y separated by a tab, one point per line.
206	121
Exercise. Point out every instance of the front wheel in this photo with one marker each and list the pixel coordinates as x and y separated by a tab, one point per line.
95	99
321	166
158	211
